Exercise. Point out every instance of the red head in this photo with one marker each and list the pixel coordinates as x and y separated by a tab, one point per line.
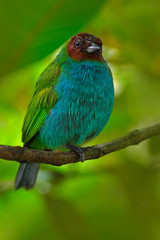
85	46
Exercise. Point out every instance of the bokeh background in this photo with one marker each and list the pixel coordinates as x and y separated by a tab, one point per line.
116	197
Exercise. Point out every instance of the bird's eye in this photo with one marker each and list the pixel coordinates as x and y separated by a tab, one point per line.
77	43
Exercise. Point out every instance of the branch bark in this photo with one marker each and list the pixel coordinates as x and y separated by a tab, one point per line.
57	158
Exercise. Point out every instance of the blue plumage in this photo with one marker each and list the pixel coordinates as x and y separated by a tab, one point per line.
86	96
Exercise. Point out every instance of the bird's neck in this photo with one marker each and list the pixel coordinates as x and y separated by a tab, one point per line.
85	65
85	72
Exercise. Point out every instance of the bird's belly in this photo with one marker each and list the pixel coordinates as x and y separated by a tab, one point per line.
76	119
88	116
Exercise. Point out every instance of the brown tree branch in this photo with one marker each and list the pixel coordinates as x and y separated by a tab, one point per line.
57	158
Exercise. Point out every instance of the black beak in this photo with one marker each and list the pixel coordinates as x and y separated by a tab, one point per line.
93	48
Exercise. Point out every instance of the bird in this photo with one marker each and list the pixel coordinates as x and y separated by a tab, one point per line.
71	104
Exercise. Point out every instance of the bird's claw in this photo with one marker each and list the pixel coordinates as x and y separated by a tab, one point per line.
77	150
81	155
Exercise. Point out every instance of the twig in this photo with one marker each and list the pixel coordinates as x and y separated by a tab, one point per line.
57	158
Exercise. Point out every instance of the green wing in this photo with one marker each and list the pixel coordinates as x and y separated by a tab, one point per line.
44	99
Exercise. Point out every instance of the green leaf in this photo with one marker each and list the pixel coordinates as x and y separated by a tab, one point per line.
31	30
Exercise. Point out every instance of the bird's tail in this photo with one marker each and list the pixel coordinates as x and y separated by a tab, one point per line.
26	175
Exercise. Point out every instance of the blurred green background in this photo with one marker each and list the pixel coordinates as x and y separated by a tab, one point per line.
118	196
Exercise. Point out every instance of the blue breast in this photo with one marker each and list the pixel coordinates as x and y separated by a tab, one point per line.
85	101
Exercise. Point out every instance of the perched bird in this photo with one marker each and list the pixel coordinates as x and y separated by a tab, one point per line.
72	102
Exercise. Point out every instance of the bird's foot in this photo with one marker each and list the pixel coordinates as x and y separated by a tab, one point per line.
77	150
